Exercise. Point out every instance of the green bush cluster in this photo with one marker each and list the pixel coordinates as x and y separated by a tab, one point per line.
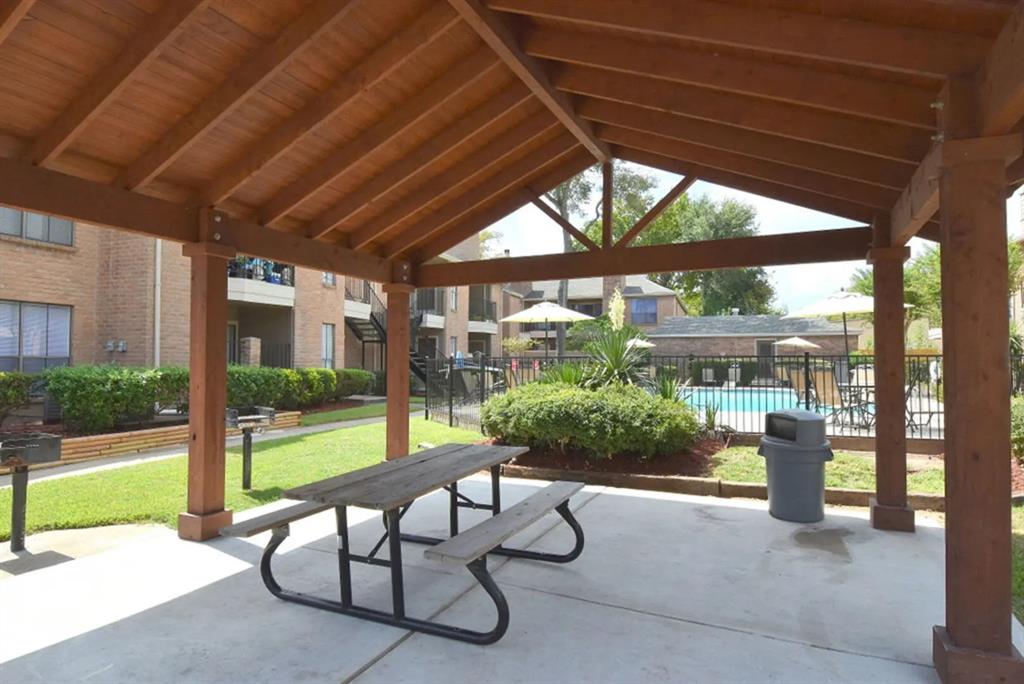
602	422
1017	429
14	392
98	398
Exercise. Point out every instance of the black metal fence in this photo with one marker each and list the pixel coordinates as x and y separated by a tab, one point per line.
732	391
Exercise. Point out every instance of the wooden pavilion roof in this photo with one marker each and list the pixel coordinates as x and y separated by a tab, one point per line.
371	135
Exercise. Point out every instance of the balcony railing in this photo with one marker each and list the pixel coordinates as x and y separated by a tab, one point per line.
485	310
429	301
262	269
538	327
357	290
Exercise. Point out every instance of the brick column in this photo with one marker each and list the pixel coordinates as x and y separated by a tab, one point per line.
250	350
398	369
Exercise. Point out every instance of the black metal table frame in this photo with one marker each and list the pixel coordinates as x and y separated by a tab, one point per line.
394	537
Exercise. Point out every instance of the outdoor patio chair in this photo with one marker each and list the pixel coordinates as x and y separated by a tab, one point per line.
846	406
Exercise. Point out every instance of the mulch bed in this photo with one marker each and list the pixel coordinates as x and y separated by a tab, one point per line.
344	404
695	462
1017	477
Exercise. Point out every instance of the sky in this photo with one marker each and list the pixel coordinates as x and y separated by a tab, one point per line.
528	231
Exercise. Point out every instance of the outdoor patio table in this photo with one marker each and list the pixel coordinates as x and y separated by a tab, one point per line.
392	487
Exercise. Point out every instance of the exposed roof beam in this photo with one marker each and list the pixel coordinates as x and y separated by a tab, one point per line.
145	45
564	223
33	188
544	180
654	212
799	85
777	30
402	47
493	31
1015	172
476	122
260	68
12	12
1001	79
405	115
890	141
812	247
509	176
757	186
455	179
852	191
798	153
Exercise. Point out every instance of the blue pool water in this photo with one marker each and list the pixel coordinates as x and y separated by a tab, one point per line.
757	400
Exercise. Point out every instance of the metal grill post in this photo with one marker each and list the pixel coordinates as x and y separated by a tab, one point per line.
451	391
247	458
807	381
19	491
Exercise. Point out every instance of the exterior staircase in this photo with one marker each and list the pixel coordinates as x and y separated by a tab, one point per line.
375	328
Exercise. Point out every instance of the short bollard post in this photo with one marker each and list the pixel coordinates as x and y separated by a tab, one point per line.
247	458
19	487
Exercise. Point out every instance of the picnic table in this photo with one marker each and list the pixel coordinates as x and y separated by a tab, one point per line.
392	487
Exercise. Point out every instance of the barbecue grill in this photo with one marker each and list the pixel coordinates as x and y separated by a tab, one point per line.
248	419
19	450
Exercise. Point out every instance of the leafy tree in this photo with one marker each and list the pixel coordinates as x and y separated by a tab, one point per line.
489	243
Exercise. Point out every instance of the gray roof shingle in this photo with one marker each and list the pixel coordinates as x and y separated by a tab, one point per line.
592	288
745	326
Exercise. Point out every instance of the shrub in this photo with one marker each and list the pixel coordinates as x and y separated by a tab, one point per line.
351	381
171	390
567	373
96	398
516	346
616	419
1017	429
311	387
14	392
262	386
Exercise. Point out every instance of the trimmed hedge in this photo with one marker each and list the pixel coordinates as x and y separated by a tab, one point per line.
604	422
98	398
14	392
1017	429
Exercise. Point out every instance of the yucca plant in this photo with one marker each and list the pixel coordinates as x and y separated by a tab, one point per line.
614	359
669	387
566	373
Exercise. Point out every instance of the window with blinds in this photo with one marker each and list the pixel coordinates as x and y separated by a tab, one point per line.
327	345
31	226
34	337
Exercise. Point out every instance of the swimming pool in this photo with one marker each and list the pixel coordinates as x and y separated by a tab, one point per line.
741	399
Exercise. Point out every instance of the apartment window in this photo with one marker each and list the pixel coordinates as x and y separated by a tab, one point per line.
25	224
34	337
454	304
588	308
644	311
453	343
329	279
327	345
232	342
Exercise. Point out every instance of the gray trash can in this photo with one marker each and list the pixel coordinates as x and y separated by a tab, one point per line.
795	450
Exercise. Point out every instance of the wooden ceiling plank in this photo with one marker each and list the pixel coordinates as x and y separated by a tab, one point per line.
798	153
398	50
565	225
841	188
453	82
454	179
799	85
11	13
812	247
493	31
848	41
414	161
510	176
1000	82
545	179
757	186
259	69
890	141
654	212
145	45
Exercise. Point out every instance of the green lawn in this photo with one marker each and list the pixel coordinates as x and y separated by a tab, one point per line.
849	471
155	492
1018	561
354	413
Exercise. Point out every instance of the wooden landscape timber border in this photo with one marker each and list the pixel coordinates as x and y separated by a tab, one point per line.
92	447
930	447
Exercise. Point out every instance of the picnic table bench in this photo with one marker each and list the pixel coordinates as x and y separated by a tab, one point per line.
392	487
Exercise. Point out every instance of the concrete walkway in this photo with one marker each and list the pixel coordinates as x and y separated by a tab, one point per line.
84	467
669	588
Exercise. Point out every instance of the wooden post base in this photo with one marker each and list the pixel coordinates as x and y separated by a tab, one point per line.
966	666
895	518
195	527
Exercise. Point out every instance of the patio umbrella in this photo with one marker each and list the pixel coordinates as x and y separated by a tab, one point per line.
546	312
839	304
798	342
641	343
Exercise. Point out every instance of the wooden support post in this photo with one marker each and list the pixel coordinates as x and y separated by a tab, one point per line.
208	385
975	644
889	509
398	369
607	171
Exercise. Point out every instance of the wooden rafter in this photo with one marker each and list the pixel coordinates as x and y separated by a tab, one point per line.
777	30
800	85
821	246
545	179
11	13
798	153
900	143
849	190
455	179
266	63
161	30
757	186
654	212
404	46
468	127
33	188
406	114
1000	82
493	31
564	223
509	176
